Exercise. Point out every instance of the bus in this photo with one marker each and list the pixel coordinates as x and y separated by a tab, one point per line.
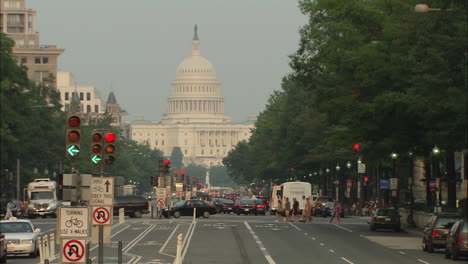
291	190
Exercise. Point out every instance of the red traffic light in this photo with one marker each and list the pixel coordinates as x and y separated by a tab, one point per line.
167	162
74	121
176	172
182	172
73	136
356	147
292	169
366	179
110	137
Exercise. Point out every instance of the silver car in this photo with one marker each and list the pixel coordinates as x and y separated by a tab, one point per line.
21	236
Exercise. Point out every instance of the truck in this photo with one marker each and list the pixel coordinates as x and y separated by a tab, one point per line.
41	198
291	190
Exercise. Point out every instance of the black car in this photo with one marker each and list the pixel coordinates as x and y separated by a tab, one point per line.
457	240
134	205
185	208
385	218
223	205
436	231
260	206
246	207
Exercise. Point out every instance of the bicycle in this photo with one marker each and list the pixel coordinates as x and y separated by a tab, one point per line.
74	221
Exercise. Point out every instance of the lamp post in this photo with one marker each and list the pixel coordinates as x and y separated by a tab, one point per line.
436	176
327	181
337	182
410	219
394	198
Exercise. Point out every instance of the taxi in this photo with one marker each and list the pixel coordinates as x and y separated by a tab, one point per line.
21	236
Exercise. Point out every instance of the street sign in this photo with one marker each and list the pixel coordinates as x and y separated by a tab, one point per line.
384	184
187	195
73	251
160	193
361	168
102	191
393	183
161	202
102	215
73	221
168	191
179	187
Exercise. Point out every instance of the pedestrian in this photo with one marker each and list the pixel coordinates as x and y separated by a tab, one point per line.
308	210
9	210
296	212
279	211
287	209
336	213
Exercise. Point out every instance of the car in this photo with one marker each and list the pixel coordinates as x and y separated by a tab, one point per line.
320	204
18	210
223	205
186	208
247	206
260	207
385	218
436	230
265	199
134	205
3	248
21	236
457	240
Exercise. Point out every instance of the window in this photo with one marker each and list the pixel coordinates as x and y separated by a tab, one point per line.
39	76
37	60
185	152
162	143
81	96
66	96
88	108
24	60
96	108
45	60
202	152
88	96
156	142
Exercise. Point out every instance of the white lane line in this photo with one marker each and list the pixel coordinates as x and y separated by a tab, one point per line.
295	226
420	260
401	252
313	238
132	243
113	235
322	244
260	244
347	260
343	228
168	239
186	242
331	250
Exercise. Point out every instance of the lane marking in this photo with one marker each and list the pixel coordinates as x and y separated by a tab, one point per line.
132	243
343	228
294	226
322	244
167	241
313	238
401	252
186	242
420	260
331	250
347	260
260	244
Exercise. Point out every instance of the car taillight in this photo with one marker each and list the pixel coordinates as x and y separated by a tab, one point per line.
261	206
376	219
236	205
147	206
398	220
459	240
211	204
433	233
254	205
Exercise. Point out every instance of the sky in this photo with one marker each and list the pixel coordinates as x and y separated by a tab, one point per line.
135	46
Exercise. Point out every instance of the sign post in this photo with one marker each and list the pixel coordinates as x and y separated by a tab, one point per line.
102	199
73	232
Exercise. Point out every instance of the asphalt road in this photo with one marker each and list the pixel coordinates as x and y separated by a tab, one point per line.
253	239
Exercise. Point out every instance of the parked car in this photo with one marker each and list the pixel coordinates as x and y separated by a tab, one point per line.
21	236
385	218
3	248
223	205
457	240
134	205
185	208
436	231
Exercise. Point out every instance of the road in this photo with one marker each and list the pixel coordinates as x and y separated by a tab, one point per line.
254	239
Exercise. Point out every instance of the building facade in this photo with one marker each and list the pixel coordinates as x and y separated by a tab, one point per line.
194	119
19	23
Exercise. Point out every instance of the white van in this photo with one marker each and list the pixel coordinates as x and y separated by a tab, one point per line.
296	190
275	194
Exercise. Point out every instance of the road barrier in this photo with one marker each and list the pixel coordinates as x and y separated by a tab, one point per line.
179	249
119	253
194	214
121	215
51	245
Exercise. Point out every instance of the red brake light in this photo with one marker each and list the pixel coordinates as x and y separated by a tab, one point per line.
433	233
459	240
211	203
261	206
254	205
376	219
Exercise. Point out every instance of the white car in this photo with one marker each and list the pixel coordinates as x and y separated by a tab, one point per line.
21	236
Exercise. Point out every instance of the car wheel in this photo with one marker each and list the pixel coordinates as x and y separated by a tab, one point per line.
424	245
206	214
396	229
35	253
176	214
447	253
137	214
4	258
238	213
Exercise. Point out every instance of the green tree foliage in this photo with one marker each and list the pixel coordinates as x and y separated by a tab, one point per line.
219	177
176	159
195	171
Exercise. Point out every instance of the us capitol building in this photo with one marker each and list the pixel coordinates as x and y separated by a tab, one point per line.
194	119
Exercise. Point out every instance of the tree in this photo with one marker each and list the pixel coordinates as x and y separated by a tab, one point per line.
177	158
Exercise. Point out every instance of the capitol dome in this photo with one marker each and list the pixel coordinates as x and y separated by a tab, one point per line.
195	66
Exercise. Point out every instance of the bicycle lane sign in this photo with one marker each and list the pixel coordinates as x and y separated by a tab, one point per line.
73	222
73	251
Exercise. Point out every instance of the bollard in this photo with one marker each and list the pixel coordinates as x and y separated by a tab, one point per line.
121	215
41	254
88	257
51	245
179	249
45	240
194	214
119	253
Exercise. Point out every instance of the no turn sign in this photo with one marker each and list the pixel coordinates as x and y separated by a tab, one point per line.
102	215
73	251
161	202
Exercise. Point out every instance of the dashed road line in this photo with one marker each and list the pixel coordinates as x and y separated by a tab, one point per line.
322	244
347	260
401	252
343	228
260	244
295	226
331	250
420	260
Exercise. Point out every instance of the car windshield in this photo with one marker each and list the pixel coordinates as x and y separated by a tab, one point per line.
41	195
225	201
247	201
181	203
445	223
18	227
387	212
258	201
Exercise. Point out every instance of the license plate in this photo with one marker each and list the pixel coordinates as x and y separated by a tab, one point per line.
41	213
229	208
247	209
387	219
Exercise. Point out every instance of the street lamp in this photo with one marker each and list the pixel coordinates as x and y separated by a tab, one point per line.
410	219
394	157
437	192
435	150
348	164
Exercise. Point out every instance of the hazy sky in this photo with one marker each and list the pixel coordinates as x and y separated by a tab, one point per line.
136	45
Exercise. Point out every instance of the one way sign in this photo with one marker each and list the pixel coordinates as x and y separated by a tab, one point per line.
102	191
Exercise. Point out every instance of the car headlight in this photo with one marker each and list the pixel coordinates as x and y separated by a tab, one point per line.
52	206
26	241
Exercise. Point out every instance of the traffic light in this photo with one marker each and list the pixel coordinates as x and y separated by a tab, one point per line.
97	142
176	173
160	166
356	147
166	166
182	175
154	181
366	179
73	135
109	148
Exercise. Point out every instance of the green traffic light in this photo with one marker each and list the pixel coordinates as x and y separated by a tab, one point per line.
73	150
96	159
